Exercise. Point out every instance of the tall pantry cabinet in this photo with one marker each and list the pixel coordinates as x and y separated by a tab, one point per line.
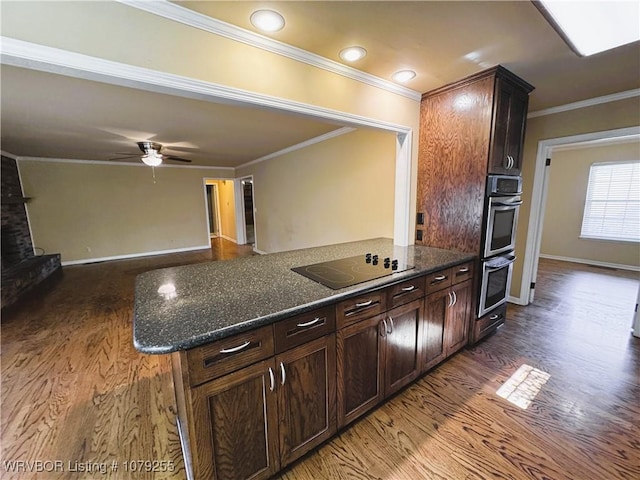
468	130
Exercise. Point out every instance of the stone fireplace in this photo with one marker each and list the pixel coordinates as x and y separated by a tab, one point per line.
21	269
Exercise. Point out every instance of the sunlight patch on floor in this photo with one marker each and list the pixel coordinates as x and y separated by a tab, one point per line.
523	386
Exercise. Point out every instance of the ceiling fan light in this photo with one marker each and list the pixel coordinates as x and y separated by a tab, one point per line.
267	20
152	159
352	54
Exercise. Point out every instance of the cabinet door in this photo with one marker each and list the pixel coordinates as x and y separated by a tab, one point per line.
435	313
360	353
402	348
235	422
306	397
518	106
511	105
457	324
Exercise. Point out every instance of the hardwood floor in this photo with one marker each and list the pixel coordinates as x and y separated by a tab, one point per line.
75	391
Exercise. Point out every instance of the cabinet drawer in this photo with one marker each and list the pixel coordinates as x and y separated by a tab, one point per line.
406	292
462	273
303	328
438	280
492	320
358	308
229	354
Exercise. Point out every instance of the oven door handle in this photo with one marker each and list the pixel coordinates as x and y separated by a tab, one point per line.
492	267
509	204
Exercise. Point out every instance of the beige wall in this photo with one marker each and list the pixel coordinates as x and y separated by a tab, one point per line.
88	211
142	39
335	191
567	190
227	208
607	116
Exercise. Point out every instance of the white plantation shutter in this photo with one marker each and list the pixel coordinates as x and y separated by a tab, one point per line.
612	207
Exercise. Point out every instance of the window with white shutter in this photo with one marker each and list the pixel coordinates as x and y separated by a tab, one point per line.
612	207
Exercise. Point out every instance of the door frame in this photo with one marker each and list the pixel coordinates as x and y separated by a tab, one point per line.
539	199
241	221
215	197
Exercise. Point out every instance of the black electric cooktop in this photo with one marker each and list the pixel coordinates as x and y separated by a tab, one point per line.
345	272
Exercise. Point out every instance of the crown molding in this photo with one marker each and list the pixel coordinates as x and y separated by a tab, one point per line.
23	54
117	164
8	155
321	138
586	103
176	13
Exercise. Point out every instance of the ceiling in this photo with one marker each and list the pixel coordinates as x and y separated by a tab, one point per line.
49	115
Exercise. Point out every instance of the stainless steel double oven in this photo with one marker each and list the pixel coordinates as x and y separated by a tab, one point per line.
502	202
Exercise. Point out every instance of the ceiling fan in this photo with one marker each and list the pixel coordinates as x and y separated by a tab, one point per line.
151	154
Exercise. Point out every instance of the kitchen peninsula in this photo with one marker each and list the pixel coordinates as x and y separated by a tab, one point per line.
268	363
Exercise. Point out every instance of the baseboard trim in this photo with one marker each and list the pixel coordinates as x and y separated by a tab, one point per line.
594	263
133	255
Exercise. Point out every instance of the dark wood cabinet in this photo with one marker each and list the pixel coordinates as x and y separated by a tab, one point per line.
242	415
468	129
377	357
510	106
306	389
402	346
253	403
458	313
447	314
433	342
360	354
235	427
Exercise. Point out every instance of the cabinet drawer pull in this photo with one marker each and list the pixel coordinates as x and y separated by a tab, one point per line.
439	278
308	324
236	349
494	317
463	270
409	288
364	304
282	373
272	379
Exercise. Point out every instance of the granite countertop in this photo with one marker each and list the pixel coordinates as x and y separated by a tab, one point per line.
183	307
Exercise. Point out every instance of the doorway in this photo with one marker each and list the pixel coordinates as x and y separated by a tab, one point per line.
248	210
539	198
213	210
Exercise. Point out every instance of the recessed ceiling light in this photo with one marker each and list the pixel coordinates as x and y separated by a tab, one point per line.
593	27
267	20
351	54
403	76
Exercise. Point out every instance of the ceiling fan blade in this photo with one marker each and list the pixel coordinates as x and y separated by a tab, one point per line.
177	159
124	158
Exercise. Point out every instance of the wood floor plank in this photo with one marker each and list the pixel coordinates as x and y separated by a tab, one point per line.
75	390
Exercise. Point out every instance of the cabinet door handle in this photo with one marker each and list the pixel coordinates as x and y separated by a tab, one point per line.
392	326
439	278
450	304
272	379
409	288
364	304
308	324
236	349
455	298
383	333
283	374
